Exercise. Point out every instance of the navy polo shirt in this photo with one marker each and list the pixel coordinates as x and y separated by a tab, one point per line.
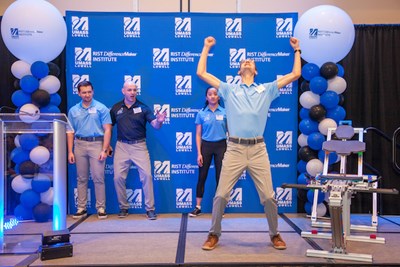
131	122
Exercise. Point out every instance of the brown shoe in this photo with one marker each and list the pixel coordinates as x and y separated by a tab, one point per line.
211	242
277	242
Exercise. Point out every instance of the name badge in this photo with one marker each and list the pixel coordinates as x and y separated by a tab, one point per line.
219	117
137	110
92	110
260	88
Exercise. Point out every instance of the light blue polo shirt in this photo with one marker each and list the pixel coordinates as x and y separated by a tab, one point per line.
88	122
213	124
247	107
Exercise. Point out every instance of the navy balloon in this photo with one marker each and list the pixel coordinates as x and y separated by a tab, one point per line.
329	70
315	140
304	86
309	71
329	99
53	69
318	85
29	198
20	98
29	83
40	98
39	69
341	99
337	113
308	126
28	169
306	154
42	212
317	113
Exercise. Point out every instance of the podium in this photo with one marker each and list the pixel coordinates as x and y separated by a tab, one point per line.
55	124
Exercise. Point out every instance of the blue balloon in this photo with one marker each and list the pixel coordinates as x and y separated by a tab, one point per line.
308	126
20	98
40	185
39	69
29	198
309	71
55	99
318	85
304	113
42	212
301	166
329	99
302	178
315	140
337	113
340	70
18	155
50	109
310	196
308	207
29	84
332	158
28	141
22	213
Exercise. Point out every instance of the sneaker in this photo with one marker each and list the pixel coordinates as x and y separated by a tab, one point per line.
211	242
101	214
80	213
123	213
277	242
195	212
151	215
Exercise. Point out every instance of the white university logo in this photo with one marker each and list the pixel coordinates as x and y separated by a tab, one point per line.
76	79
80	26
233	79
184	142
131	27
88	197
284	27
163	108
183	198
183	27
284	197
235	56
284	140
236	198
83	57
287	89
134	198
136	79
233	28
162	170
183	85
160	58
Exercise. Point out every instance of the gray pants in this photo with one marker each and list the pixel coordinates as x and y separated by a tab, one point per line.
125	155
254	159
87	159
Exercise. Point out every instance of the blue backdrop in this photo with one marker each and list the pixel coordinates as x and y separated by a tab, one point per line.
160	51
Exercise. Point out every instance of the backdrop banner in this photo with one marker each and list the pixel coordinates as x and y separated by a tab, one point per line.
160	52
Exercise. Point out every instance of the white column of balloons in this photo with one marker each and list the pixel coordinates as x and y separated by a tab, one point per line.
326	35
34	31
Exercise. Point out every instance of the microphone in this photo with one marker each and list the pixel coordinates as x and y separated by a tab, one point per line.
21	112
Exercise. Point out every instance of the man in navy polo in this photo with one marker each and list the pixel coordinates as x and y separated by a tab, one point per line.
131	117
246	107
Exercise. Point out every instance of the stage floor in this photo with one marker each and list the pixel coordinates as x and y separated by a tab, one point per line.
176	240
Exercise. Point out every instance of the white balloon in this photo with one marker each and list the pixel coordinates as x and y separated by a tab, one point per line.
309	99
39	155
325	124
19	184
302	140
314	167
20	69
29	113
33	30
16	141
337	84
48	196
326	34
50	83
321	210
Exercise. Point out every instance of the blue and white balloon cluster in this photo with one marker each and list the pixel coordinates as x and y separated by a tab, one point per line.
34	31
326	35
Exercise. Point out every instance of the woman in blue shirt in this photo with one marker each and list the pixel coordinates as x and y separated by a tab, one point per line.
211	134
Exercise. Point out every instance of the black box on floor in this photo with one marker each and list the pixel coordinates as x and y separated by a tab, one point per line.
56	251
55	237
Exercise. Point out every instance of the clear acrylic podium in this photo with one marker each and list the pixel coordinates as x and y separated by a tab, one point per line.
52	124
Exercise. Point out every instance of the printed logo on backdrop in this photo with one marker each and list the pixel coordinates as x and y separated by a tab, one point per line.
14	33
76	79
183	198
233	79
162	170
280	165
183	27
284	140
284	197
80	26
183	85
236	198
284	27
183	168
287	89
184	113
88	197
235	56
134	198
233	28
163	108
243	175
315	33
183	141
131	27
136	79
83	57
160	58
109	169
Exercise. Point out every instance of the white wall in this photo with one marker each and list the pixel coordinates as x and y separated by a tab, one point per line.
361	11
